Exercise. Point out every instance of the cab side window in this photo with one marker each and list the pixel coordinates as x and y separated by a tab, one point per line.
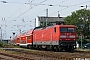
54	29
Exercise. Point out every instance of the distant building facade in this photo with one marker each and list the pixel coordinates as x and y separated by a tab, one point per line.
40	20
6	41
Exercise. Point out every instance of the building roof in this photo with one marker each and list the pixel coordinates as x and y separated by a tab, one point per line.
50	19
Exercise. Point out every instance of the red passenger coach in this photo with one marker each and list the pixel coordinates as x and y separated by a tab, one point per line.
58	37
23	39
26	39
29	38
17	39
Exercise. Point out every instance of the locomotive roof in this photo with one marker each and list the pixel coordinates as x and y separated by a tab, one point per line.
66	25
55	26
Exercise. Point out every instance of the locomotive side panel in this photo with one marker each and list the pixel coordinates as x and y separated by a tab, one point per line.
42	37
55	35
47	36
37	36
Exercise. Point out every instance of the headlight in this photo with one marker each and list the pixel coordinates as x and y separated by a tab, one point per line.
85	46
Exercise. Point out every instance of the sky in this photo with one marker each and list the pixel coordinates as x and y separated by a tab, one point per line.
16	15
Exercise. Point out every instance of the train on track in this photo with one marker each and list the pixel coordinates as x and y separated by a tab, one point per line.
57	38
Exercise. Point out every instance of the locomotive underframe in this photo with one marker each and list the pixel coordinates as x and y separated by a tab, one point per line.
58	46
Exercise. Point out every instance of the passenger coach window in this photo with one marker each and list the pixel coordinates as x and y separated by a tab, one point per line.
63	29
70	29
55	29
28	37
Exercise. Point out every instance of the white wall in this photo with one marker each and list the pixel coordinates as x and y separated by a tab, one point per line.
37	24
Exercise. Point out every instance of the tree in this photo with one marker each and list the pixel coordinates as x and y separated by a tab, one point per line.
80	18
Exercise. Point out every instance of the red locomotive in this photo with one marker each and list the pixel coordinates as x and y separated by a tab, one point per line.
58	38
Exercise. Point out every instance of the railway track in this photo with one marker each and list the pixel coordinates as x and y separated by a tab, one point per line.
54	55
14	56
7	56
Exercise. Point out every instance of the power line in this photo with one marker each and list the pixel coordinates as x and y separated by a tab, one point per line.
35	13
31	8
63	6
80	3
63	1
69	6
16	11
49	5
30	3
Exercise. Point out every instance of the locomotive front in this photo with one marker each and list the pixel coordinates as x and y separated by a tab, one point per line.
67	37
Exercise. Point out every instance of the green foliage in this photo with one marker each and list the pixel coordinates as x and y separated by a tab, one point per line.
44	24
84	41
1	44
80	18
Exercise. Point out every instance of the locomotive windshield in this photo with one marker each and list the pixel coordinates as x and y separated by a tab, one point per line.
70	29
63	29
67	30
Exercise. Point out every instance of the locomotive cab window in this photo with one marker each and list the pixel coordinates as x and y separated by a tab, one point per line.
70	29
67	29
63	29
55	29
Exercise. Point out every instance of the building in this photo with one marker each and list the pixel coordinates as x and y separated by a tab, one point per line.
41	20
6	41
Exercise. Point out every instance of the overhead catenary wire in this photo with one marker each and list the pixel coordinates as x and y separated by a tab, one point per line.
47	5
33	7
35	13
30	3
51	5
17	10
61	6
30	9
54	5
69	6
80	3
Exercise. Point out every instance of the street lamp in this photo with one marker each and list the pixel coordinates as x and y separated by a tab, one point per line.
82	26
85	6
4	1
13	34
